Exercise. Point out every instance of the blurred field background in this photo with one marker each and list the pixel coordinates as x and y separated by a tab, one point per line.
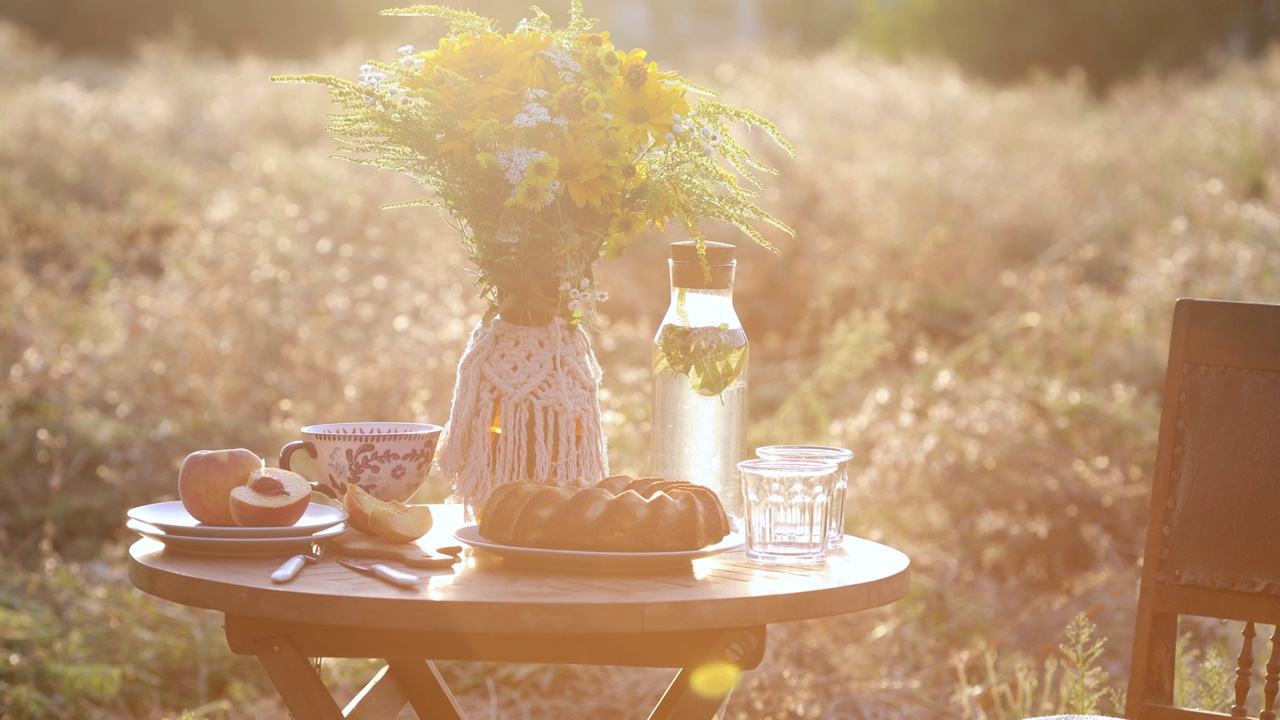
977	302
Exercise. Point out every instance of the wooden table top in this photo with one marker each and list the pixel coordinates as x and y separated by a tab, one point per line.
484	593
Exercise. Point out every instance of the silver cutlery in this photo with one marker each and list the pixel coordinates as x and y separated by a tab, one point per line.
291	567
383	572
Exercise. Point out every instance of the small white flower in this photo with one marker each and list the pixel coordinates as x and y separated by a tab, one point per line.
676	116
405	50
562	60
514	162
532	115
607	116
671	137
370	77
564	286
585	283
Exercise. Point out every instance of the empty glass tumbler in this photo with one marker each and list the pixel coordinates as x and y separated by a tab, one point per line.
840	456
786	506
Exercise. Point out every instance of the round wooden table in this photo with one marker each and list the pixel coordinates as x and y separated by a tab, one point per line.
485	608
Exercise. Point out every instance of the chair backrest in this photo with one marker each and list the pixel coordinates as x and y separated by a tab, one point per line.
1213	542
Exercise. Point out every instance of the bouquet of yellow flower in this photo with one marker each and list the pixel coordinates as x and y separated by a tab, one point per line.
548	149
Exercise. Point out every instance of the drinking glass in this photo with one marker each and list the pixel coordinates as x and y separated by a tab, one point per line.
786	506
840	456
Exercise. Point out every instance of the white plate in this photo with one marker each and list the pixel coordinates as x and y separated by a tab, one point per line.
173	519
235	546
614	562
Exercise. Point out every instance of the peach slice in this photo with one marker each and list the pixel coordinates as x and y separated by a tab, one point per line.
401	525
359	503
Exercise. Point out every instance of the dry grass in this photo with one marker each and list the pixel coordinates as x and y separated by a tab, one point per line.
977	303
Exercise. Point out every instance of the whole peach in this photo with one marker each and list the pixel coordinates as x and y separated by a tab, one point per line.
206	479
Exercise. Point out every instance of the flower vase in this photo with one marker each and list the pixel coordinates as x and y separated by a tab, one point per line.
525	407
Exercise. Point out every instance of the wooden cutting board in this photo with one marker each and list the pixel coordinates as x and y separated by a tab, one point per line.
354	543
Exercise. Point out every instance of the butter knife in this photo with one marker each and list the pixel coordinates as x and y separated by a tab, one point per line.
383	572
291	567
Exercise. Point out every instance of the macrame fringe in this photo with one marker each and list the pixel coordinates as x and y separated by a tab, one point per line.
543	383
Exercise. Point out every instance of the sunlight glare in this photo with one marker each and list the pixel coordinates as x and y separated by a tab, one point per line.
714	679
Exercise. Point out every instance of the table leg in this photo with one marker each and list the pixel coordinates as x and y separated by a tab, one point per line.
414	682
296	680
380	699
421	681
681	702
684	701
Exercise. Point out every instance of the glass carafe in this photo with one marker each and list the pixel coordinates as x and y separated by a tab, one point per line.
700	376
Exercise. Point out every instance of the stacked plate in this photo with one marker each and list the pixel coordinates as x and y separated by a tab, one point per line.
171	524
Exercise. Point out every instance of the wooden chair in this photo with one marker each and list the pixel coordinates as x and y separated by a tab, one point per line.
1213	538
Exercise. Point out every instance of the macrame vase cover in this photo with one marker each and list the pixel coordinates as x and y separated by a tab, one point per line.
541	384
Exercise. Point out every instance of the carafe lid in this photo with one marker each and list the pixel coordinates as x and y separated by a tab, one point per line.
687	270
717	252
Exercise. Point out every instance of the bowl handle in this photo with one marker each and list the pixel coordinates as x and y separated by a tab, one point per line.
287	452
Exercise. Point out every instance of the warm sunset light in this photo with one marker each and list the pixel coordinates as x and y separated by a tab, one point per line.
957	232
714	680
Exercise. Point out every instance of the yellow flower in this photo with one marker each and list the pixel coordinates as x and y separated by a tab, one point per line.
624	226
530	196
542	170
582	173
631	175
596	54
578	103
594	41
647	112
475	57
635	73
612	148
457	147
608	61
627	224
526	63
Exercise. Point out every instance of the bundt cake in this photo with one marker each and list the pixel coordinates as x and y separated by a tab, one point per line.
618	514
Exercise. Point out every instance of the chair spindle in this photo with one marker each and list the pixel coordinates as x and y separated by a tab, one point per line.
1272	685
1244	671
